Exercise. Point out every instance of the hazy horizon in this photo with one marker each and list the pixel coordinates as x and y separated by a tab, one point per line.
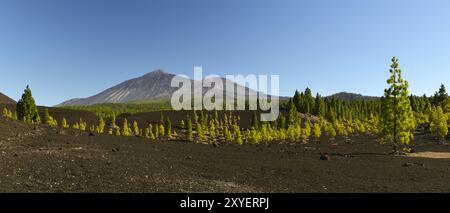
75	49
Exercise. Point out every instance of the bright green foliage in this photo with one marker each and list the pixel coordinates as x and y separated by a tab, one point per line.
151	135
156	131
101	126
228	135
341	129
398	120
162	131
190	135
48	119
7	113
126	130
110	131
26	108
292	115
113	121
306	132
253	136
136	130
237	135
212	131
438	123
82	125
317	131
76	126
64	123
200	132
169	127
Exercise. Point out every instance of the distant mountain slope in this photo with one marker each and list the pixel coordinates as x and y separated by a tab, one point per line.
152	86
352	96
5	99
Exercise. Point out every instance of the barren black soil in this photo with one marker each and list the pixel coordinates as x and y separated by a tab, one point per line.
42	159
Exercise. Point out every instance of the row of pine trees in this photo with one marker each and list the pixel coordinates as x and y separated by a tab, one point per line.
393	117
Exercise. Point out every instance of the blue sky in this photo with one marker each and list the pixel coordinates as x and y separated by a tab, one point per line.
76	48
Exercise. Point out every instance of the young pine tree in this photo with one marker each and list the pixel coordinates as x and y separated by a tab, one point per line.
169	127
101	126
136	130
64	123
397	121
82	125
255	122
317	131
126	131
162	131
182	124
438	123
26	108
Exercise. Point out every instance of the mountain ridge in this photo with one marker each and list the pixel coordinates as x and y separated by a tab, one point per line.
150	86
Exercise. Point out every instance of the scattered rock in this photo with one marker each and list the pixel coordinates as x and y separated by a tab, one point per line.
115	149
91	133
189	157
215	145
16	155
324	157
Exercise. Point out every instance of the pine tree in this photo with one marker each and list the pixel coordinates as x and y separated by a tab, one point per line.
156	131
317	131
82	125
292	115
182	124
397	116
169	127
26	108
440	98
126	128
306	132
237	135
101	126
113	121
162	131
190	135
281	121
136	129
255	122
439	123
152	135
64	123
200	132
14	115
47	118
